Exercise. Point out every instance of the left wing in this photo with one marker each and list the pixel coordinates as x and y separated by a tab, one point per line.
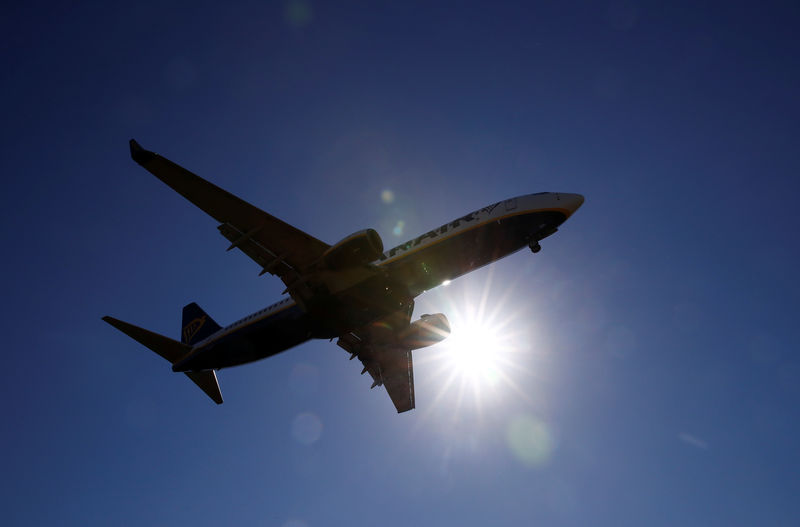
389	365
276	246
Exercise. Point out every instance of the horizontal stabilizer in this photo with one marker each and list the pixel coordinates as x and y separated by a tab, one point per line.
171	350
207	381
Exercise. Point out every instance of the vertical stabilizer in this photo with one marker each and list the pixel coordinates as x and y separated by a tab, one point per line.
196	325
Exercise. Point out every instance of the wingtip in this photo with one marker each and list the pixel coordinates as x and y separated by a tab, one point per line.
113	322
139	154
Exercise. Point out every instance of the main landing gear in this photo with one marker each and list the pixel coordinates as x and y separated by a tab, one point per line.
535	247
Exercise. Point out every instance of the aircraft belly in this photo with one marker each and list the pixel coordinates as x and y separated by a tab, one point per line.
464	252
370	300
259	340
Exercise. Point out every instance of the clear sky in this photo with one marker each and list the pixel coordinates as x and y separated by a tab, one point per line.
644	366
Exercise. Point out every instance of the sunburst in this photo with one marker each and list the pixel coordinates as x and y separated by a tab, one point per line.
485	355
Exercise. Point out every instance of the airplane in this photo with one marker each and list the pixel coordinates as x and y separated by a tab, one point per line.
353	291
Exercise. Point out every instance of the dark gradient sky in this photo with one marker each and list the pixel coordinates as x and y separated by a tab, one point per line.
650	371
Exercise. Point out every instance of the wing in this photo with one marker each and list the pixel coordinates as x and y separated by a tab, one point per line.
276	246
390	367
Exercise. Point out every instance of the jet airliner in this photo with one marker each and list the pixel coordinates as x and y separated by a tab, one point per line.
353	291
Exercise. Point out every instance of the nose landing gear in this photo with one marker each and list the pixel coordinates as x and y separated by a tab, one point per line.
543	232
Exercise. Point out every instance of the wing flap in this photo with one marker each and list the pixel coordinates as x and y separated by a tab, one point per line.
398	379
269	261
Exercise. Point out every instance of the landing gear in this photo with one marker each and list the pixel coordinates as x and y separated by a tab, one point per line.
540	234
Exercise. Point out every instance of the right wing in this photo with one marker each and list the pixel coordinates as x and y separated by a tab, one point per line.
276	246
390	366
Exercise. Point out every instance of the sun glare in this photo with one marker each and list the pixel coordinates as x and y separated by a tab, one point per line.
473	350
489	349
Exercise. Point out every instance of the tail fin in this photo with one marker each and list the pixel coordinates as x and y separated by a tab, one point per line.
196	325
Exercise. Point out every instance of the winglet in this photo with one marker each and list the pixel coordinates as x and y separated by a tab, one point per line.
139	154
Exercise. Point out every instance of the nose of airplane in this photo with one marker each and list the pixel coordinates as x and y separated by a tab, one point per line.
571	201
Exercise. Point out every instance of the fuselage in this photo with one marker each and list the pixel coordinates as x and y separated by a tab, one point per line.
390	283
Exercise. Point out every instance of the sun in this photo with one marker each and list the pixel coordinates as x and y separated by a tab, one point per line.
473	351
489	350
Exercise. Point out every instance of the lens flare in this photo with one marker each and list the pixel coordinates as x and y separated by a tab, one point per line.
487	358
298	13
530	440
306	428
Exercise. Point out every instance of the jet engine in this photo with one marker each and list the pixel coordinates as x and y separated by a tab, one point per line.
359	248
426	331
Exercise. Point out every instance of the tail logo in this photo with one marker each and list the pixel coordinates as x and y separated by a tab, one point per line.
191	329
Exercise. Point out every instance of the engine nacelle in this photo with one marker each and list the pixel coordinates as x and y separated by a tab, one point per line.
426	331
359	248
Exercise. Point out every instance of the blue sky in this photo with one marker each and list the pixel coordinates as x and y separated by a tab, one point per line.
647	357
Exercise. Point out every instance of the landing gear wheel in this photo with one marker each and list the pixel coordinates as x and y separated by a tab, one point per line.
535	247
